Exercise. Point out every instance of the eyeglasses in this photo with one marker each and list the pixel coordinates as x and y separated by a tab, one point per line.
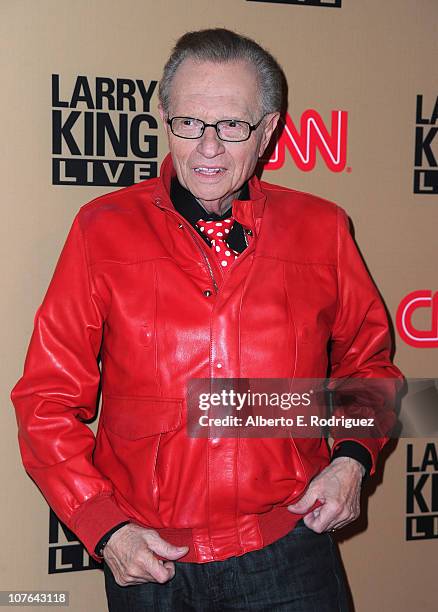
230	130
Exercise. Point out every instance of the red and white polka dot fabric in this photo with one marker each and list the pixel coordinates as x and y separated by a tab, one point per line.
217	232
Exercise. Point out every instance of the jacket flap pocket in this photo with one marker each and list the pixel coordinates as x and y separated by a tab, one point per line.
138	417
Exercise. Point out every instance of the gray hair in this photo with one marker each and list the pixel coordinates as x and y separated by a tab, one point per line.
220	45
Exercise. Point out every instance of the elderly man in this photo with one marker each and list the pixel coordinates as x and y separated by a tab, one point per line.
205	272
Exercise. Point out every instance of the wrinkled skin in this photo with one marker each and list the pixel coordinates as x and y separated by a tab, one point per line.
212	92
338	488
129	554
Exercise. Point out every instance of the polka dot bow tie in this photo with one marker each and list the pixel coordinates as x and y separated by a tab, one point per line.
217	232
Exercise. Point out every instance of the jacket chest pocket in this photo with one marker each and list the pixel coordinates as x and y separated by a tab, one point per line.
135	428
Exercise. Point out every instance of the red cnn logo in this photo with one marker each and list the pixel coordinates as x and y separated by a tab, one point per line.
420	338
313	135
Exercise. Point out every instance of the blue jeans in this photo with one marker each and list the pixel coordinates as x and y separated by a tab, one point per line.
300	572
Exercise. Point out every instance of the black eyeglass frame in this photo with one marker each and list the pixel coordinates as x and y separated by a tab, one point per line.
214	125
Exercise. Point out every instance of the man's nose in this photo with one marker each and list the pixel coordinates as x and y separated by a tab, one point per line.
209	144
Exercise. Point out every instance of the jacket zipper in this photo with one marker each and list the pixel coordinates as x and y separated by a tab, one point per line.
205	256
195	240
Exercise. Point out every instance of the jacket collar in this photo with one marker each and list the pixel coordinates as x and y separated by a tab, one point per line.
245	212
189	207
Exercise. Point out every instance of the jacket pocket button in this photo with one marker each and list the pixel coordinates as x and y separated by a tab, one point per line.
207	293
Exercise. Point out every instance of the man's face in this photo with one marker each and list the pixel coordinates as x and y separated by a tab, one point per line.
211	169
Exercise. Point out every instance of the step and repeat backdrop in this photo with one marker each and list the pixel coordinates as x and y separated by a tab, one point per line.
79	118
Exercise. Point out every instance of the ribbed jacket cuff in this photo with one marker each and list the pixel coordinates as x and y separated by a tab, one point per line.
94	518
348	448
373	447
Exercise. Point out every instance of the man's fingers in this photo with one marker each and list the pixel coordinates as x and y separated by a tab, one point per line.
343	521
321	517
330	516
161	571
317	523
153	570
131	556
338	488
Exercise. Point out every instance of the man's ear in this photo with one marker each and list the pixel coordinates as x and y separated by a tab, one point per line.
162	114
270	124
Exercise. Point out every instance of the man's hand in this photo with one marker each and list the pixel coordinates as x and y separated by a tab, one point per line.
129	554
337	487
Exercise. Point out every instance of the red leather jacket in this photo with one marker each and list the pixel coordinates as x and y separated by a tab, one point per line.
135	283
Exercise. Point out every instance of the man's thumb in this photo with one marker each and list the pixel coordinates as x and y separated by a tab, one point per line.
166	550
302	506
176	552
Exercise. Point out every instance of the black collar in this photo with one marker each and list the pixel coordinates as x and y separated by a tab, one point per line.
188	206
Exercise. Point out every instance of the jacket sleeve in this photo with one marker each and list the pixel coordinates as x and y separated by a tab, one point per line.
361	351
58	390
